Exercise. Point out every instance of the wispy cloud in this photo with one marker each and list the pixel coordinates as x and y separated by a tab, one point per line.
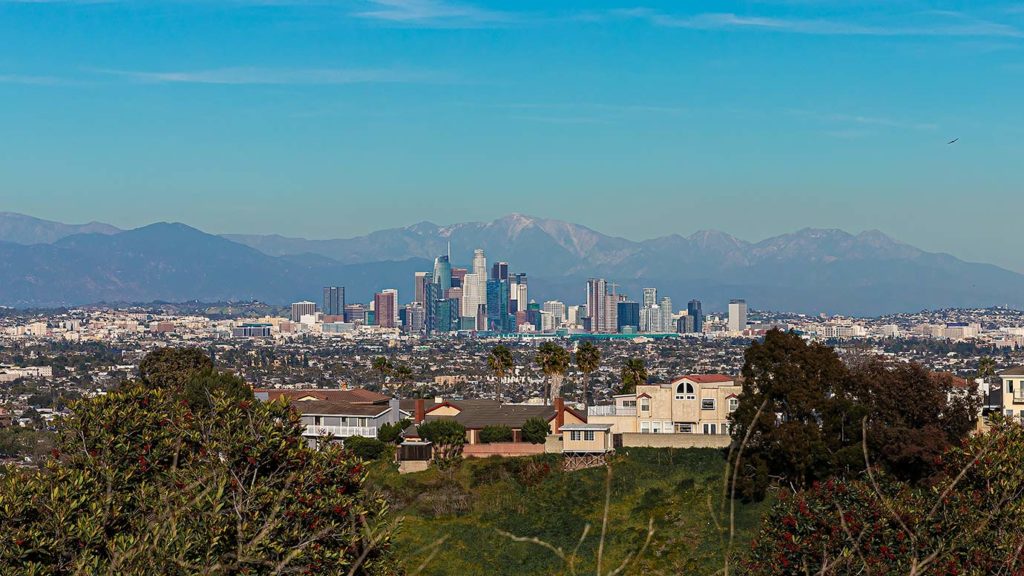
860	123
933	23
275	76
437	13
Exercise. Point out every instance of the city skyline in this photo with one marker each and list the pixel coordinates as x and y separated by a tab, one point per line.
766	117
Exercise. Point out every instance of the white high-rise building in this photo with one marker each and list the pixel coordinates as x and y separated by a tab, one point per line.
480	273
557	311
666	315
602	306
650	297
472	297
300	309
737	315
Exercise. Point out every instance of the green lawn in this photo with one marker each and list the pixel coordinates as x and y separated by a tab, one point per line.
532	497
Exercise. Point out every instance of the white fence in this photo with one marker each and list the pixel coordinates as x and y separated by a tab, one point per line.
318	430
611	410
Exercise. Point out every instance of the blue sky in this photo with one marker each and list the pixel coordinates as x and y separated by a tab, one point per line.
638	118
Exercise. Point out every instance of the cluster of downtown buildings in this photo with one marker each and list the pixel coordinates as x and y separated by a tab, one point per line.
494	300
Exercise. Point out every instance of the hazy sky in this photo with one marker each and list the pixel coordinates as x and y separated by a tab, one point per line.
637	118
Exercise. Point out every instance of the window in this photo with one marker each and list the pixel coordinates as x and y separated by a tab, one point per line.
645	427
655	427
629	403
734	403
645	405
683	428
685	391
1009	412
707	404
710	429
574	435
588	435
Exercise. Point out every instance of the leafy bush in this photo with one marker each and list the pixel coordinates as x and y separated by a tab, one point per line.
366	448
448	438
392	433
139	483
492	434
535	431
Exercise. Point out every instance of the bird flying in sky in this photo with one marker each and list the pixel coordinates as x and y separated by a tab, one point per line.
953	140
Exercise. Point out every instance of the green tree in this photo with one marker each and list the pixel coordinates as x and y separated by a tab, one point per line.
553	361
139	483
392	433
172	368
986	367
403	373
535	431
633	373
500	361
588	360
448	438
496	433
368	449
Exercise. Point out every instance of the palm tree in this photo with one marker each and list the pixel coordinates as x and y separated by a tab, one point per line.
554	363
403	373
986	367
383	365
588	359
633	373
500	362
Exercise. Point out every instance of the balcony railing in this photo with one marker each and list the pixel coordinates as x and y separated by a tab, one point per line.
611	410
340	431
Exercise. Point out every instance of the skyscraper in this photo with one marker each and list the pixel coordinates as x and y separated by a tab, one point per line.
602	306
694	309
497	306
458	277
556	309
334	301
665	324
420	284
300	309
472	297
499	271
385	307
737	315
628	316
517	292
443	272
650	297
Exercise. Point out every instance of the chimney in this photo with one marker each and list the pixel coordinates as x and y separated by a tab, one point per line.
420	411
559	414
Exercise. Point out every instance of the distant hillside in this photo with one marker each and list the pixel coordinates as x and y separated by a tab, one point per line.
810	271
22	229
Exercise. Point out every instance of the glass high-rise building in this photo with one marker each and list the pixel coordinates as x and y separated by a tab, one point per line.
499	271
628	316
693	309
497	306
334	301
443	272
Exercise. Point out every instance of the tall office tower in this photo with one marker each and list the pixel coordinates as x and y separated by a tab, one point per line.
471	296
414	317
650	297
628	316
665	324
684	325
650	319
602	306
397	305
334	301
557	311
497	306
458	277
443	272
300	309
385	307
420	283
433	294
455	294
693	309
737	315
518	292
499	271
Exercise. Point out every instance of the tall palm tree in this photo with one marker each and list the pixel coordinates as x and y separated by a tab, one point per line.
382	365
633	373
588	359
403	373
500	362
553	361
986	367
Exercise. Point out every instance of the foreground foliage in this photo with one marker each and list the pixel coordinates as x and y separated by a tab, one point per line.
141	483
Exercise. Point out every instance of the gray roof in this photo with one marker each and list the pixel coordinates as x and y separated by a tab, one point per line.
1015	371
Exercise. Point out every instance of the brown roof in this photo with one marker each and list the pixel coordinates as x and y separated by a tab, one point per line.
326	407
511	415
707	378
1015	371
355	395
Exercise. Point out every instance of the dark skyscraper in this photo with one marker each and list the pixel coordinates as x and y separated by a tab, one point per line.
334	301
693	309
497	306
443	272
628	316
499	271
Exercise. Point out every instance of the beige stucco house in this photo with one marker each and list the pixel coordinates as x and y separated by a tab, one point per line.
691	404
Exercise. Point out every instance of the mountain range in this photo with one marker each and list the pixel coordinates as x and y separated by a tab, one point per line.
45	263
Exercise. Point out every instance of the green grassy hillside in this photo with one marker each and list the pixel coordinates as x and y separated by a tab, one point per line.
532	497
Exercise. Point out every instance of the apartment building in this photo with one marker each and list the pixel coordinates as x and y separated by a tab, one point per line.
1013	392
691	404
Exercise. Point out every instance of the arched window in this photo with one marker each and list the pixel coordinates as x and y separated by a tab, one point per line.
685	391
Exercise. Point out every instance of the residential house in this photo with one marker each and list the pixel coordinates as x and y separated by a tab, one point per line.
691	404
476	415
1013	392
339	413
